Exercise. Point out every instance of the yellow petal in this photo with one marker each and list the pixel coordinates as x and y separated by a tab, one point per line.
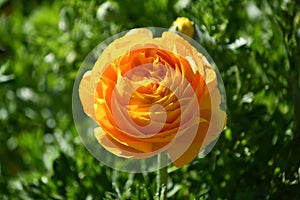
140	31
86	95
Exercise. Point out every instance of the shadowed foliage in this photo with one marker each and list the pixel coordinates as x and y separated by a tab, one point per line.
256	48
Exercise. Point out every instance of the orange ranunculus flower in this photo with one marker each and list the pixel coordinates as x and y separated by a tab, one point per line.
150	95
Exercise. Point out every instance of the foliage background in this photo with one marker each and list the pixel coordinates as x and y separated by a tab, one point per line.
42	44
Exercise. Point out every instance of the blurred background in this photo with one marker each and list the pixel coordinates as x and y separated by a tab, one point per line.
255	45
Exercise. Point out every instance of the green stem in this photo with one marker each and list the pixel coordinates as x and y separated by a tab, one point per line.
162	177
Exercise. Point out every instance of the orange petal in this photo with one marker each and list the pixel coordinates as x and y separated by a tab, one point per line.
186	149
120	149
115	148
122	138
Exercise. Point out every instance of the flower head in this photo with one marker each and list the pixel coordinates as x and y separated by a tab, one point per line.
184	25
150	95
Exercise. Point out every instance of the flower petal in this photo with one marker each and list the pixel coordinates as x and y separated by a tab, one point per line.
180	158
86	95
